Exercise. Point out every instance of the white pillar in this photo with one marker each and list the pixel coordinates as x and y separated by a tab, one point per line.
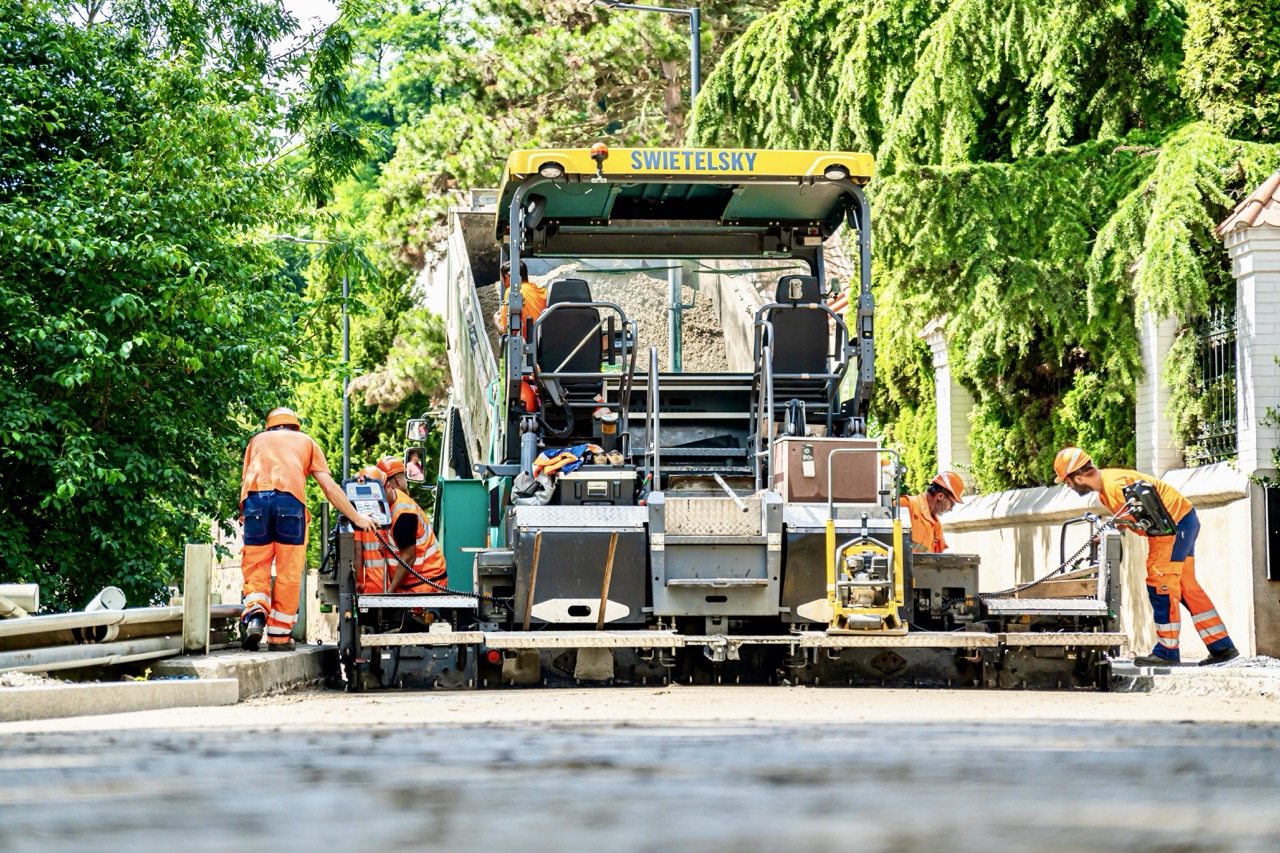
1255	263
955	403
1156	450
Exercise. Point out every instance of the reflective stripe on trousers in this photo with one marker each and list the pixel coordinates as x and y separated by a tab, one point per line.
275	531
1171	581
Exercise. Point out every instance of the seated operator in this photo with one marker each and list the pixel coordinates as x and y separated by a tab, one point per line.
412	534
533	298
944	492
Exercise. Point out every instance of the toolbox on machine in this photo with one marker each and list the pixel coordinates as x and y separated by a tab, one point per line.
597	485
800	470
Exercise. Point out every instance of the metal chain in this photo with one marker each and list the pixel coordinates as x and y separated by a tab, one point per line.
1094	526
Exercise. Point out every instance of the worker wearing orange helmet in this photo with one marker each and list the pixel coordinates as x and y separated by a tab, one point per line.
1171	574
533	299
273	507
412	534
372	563
927	508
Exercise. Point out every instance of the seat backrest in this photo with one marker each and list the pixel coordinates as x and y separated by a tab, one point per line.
560	332
807	285
800	335
568	290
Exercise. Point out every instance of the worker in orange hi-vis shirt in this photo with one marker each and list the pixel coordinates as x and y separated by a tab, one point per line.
533	299
945	491
1171	561
273	506
412	534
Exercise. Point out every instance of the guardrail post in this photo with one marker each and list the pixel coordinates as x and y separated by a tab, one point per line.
197	575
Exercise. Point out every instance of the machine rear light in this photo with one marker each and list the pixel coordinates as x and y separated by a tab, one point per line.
551	170
493	656
835	173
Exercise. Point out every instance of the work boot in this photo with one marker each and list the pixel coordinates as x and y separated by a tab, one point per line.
254	627
1221	657
1155	660
286	646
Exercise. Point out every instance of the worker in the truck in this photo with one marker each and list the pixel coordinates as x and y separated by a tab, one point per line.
1171	574
412	535
927	508
533	298
273	506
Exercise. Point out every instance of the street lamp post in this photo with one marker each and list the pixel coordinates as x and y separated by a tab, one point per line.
346	355
695	37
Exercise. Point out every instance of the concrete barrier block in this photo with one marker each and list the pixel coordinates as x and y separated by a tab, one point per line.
258	673
82	700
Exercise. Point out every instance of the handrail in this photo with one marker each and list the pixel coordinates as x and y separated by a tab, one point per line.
531	340
654	436
768	416
894	552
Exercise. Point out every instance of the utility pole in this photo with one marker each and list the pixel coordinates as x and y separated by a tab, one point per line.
346	354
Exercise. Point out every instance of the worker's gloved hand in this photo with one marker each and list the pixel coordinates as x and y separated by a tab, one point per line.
364	522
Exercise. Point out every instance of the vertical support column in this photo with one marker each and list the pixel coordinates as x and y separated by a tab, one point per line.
955	403
1255	263
197	575
1156	450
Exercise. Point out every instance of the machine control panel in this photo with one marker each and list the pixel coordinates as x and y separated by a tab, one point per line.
369	498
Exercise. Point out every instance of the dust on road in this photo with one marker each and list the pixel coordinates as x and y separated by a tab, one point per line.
653	769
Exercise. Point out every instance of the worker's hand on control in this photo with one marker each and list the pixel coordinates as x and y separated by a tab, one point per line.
364	522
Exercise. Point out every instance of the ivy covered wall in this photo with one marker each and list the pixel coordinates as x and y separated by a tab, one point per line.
1044	170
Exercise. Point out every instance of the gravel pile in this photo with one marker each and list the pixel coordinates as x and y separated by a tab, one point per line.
644	299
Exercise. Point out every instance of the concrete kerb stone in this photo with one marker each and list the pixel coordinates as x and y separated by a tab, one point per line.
19	704
258	673
1247	680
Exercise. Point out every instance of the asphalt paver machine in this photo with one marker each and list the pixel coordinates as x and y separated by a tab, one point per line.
609	520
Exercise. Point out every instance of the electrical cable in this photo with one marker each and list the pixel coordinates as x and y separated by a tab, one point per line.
479	596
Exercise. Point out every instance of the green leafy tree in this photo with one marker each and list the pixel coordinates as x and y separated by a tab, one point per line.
145	323
1044	172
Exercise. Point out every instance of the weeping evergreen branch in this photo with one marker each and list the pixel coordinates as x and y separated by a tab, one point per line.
1044	173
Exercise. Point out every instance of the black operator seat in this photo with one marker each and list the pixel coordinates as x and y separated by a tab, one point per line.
801	336
560	332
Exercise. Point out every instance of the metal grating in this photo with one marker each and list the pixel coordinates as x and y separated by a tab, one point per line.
1215	439
713	517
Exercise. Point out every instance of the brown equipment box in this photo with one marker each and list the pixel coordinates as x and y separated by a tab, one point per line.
800	470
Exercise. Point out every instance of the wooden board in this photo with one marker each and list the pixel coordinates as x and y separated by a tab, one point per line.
1056	588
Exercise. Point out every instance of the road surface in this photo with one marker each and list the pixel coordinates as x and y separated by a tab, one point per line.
662	770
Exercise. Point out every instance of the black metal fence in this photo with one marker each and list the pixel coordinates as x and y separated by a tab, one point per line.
1216	440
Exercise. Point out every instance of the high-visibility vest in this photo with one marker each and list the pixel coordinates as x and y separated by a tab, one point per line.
429	561
374	574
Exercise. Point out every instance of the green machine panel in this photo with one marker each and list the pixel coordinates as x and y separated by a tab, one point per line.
461	521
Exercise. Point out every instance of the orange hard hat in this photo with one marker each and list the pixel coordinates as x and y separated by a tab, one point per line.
372	472
391	465
1068	460
950	481
283	416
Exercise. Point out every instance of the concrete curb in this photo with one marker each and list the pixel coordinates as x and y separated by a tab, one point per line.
19	704
258	673
1196	681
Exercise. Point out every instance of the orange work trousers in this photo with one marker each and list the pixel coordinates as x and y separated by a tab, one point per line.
1171	581
275	530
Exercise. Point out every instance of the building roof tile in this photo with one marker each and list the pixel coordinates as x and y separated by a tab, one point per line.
1262	207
